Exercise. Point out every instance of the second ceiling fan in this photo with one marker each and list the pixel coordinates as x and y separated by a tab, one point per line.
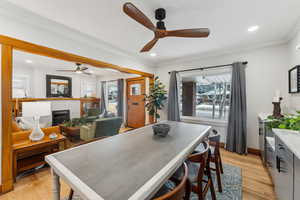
160	29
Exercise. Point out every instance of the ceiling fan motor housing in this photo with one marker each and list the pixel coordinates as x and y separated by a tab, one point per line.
160	14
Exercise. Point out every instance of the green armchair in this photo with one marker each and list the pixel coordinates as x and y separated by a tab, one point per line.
101	127
92	114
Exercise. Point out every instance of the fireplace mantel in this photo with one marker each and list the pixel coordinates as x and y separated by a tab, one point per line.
17	102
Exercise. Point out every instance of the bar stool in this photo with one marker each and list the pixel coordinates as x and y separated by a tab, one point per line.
214	142
198	164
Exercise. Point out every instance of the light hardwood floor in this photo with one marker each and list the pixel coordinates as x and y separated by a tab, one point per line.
256	182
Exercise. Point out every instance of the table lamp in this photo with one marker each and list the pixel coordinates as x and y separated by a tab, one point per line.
36	110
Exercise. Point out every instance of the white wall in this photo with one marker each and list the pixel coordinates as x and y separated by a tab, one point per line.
265	73
294	60
37	81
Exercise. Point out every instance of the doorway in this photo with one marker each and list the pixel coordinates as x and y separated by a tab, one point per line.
136	89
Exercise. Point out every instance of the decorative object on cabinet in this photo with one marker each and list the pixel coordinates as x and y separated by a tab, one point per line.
294	79
36	110
291	122
58	86
277	109
28	155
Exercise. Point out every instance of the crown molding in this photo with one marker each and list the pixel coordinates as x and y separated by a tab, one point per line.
25	16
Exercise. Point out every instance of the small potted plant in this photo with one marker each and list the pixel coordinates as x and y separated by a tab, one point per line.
156	99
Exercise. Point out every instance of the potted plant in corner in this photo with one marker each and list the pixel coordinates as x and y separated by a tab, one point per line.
156	99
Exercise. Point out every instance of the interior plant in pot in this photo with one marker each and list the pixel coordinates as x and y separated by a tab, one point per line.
291	122
156	99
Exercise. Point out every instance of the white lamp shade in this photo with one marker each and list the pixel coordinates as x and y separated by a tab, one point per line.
31	109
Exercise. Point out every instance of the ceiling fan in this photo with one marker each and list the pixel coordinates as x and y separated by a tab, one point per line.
78	70
160	29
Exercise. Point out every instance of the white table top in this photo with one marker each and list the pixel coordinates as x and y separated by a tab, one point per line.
127	166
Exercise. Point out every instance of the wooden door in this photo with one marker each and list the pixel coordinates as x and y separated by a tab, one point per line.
135	102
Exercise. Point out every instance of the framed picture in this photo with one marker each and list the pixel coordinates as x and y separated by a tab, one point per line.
58	86
294	79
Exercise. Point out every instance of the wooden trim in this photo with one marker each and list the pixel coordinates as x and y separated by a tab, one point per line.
44	99
254	151
6	95
57	54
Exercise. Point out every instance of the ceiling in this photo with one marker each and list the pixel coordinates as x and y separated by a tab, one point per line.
228	21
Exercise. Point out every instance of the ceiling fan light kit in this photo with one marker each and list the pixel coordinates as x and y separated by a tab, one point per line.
78	70
160	29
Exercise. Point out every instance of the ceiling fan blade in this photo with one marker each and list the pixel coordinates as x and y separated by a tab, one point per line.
66	70
83	68
87	73
199	32
149	45
138	15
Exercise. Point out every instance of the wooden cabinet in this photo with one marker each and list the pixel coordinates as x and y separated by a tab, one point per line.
297	178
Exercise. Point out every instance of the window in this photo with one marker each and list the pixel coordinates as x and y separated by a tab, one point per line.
88	88
20	86
112	95
206	96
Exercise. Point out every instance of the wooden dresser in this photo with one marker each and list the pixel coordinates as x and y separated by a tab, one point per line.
28	154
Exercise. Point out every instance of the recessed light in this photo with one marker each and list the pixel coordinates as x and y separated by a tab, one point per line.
253	28
152	54
28	61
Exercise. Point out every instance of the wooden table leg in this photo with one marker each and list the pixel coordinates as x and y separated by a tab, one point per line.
56	186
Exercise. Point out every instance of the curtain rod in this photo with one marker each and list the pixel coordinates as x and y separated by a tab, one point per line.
209	67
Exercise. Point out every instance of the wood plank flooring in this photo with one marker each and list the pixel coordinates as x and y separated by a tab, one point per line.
256	181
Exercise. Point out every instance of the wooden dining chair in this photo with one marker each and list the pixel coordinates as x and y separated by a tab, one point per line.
71	193
198	165
214	141
181	191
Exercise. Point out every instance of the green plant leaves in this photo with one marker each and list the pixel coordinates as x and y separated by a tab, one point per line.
291	122
156	99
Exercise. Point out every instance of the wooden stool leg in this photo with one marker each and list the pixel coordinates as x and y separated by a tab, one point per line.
221	165
71	194
187	190
218	173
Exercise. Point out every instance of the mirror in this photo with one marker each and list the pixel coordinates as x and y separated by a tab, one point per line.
58	86
294	79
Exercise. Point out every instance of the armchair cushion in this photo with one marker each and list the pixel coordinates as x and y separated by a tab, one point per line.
87	132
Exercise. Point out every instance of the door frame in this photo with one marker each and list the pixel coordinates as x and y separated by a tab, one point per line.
8	45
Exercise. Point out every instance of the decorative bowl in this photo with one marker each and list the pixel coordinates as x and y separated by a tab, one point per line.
161	129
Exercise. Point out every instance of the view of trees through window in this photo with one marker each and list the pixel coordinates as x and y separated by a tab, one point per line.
112	91
212	96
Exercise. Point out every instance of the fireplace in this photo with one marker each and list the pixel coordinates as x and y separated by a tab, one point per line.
60	116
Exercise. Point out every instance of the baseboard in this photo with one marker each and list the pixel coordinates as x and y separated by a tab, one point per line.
254	151
250	150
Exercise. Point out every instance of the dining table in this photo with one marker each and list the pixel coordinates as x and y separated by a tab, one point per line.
133	165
